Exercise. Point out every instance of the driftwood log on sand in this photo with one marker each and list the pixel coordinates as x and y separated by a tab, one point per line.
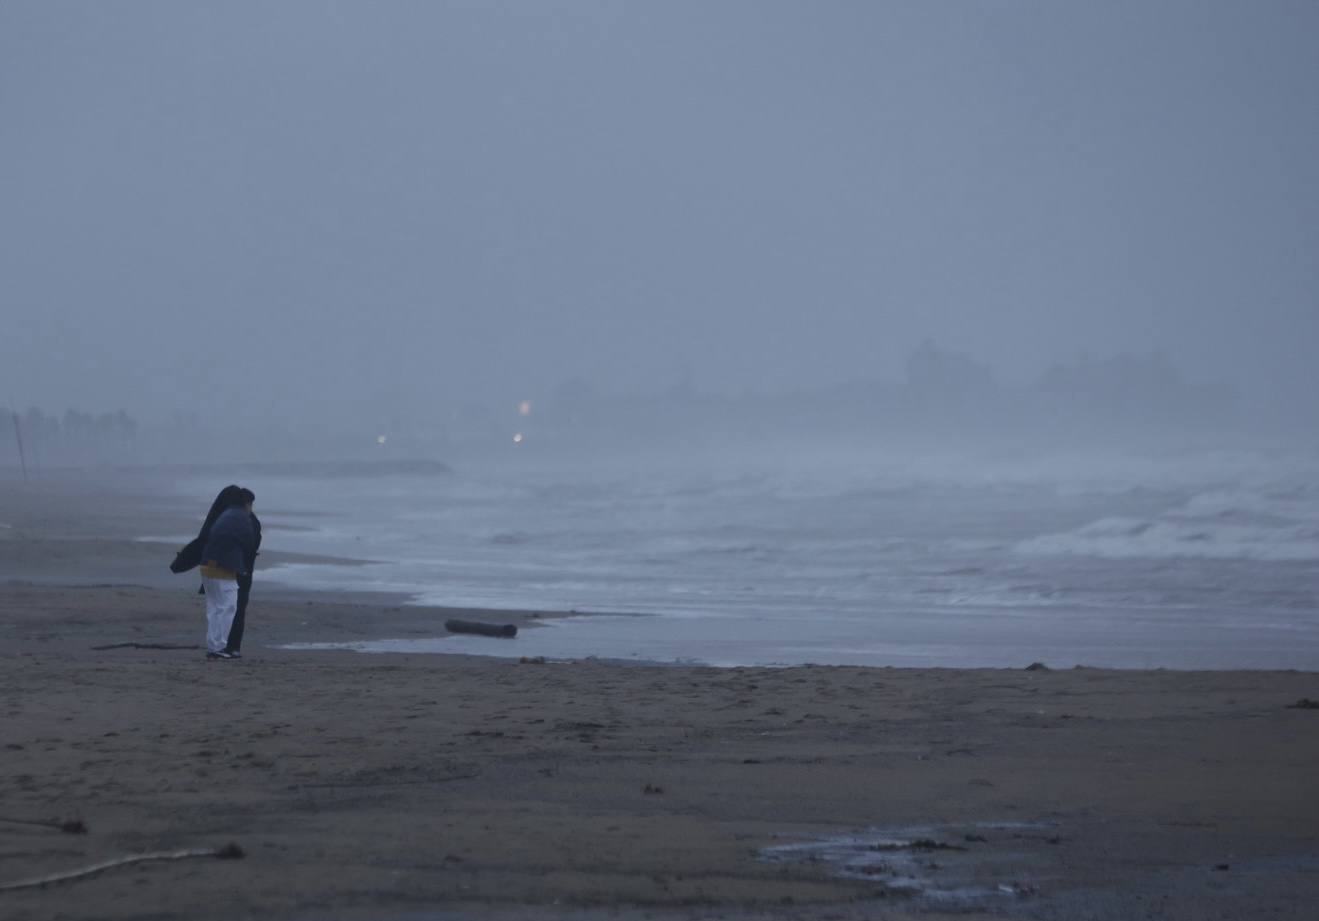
228	852
504	631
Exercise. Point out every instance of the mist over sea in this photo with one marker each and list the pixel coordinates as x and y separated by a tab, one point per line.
1201	560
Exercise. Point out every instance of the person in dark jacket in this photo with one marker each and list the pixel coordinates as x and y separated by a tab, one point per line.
230	545
190	556
235	644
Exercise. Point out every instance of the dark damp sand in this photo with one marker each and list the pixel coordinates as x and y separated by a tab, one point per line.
391	787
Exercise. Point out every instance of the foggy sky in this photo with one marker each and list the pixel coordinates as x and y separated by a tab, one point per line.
316	209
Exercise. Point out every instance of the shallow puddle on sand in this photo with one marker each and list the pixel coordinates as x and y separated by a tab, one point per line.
969	863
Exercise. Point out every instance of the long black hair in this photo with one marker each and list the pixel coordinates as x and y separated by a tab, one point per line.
232	496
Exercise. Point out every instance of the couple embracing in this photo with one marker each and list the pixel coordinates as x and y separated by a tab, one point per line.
225	551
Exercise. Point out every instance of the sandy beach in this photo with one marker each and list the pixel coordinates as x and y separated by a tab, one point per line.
426	786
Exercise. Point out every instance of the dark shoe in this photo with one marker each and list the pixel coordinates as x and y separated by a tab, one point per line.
234	653
219	655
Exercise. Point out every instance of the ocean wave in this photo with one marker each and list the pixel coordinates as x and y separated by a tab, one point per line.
1215	537
1280	505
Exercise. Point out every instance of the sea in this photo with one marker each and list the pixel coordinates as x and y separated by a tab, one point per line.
1191	560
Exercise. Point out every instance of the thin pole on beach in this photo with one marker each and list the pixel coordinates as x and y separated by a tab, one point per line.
18	433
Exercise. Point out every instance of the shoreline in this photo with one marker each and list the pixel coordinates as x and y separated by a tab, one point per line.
353	619
174	615
386	618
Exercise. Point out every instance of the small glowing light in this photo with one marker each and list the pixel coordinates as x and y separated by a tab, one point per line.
380	439
517	439
525	407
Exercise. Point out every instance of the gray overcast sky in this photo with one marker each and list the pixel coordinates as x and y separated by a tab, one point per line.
417	202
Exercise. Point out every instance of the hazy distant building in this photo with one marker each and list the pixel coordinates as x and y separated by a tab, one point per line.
944	375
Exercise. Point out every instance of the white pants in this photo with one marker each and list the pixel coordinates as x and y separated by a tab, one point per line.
221	606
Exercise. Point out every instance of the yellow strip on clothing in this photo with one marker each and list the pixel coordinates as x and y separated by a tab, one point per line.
211	571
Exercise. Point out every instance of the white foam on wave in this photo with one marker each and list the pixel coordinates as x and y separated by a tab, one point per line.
1281	504
1277	526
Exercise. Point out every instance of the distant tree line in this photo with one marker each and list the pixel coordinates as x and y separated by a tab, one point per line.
74	437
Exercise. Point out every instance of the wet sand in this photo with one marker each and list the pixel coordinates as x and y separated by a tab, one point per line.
398	786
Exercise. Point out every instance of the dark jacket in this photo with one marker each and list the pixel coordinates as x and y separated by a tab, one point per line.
231	544
256	544
190	557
